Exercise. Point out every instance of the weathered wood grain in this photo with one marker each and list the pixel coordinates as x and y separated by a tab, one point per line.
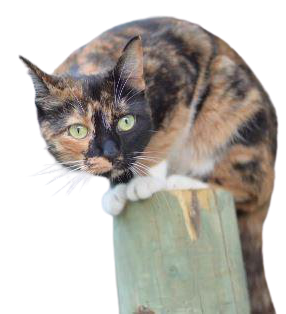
179	253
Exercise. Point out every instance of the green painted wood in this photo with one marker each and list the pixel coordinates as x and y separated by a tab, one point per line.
179	253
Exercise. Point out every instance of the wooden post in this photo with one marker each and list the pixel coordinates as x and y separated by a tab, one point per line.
179	253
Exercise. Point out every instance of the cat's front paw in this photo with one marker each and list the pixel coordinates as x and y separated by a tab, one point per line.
144	187
114	200
179	182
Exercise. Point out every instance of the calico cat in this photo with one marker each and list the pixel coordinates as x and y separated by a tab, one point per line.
176	108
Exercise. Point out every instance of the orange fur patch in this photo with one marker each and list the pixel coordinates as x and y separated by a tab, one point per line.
98	165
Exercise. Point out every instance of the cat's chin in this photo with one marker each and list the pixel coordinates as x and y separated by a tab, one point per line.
111	174
115	173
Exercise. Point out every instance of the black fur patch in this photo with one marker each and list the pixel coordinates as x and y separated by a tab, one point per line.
273	132
165	86
202	100
163	93
250	171
254	130
251	166
218	181
93	86
239	84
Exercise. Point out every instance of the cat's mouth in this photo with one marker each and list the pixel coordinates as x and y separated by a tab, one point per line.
99	165
102	166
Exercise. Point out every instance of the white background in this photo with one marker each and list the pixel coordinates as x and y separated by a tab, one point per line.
56	252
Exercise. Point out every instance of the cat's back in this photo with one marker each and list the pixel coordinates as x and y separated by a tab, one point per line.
165	40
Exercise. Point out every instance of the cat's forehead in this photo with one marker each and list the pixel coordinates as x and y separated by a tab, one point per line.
101	92
107	110
96	97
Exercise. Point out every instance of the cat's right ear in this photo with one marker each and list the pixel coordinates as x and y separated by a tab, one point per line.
130	64
45	85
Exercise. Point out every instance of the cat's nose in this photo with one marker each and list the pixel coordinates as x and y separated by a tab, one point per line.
110	149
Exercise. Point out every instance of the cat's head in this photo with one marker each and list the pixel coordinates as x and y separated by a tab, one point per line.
97	123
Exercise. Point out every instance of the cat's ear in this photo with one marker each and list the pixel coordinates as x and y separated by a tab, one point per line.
45	84
130	64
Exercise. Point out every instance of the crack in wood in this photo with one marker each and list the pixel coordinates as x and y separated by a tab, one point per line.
195	213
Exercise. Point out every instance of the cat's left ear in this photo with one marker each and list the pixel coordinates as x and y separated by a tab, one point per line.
130	64
45	84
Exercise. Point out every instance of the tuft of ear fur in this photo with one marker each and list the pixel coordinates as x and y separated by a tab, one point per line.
51	90
130	64
44	83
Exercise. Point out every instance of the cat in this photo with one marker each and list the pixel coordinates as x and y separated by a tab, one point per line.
176	108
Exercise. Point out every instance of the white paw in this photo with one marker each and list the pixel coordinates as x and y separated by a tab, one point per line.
114	200
144	187
179	182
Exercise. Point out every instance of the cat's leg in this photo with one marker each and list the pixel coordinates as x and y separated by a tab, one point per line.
180	182
145	186
114	200
247	172
142	187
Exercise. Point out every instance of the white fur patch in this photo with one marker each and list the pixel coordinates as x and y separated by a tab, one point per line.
160	170
203	168
144	187
114	200
178	182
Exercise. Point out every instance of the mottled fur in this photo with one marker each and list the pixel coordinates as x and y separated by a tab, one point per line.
198	105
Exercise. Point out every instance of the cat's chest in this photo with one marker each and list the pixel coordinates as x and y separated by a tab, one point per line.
186	161
184	158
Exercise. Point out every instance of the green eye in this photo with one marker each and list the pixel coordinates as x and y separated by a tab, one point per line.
78	131
126	123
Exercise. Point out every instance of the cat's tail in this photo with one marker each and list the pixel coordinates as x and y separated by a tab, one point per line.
250	226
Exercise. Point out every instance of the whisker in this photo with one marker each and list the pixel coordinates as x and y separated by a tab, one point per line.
148	152
134	171
147	158
42	171
64	186
66	173
140	91
85	180
120	93
73	185
131	90
114	89
68	164
73	94
48	172
147	155
141	169
142	165
117	85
